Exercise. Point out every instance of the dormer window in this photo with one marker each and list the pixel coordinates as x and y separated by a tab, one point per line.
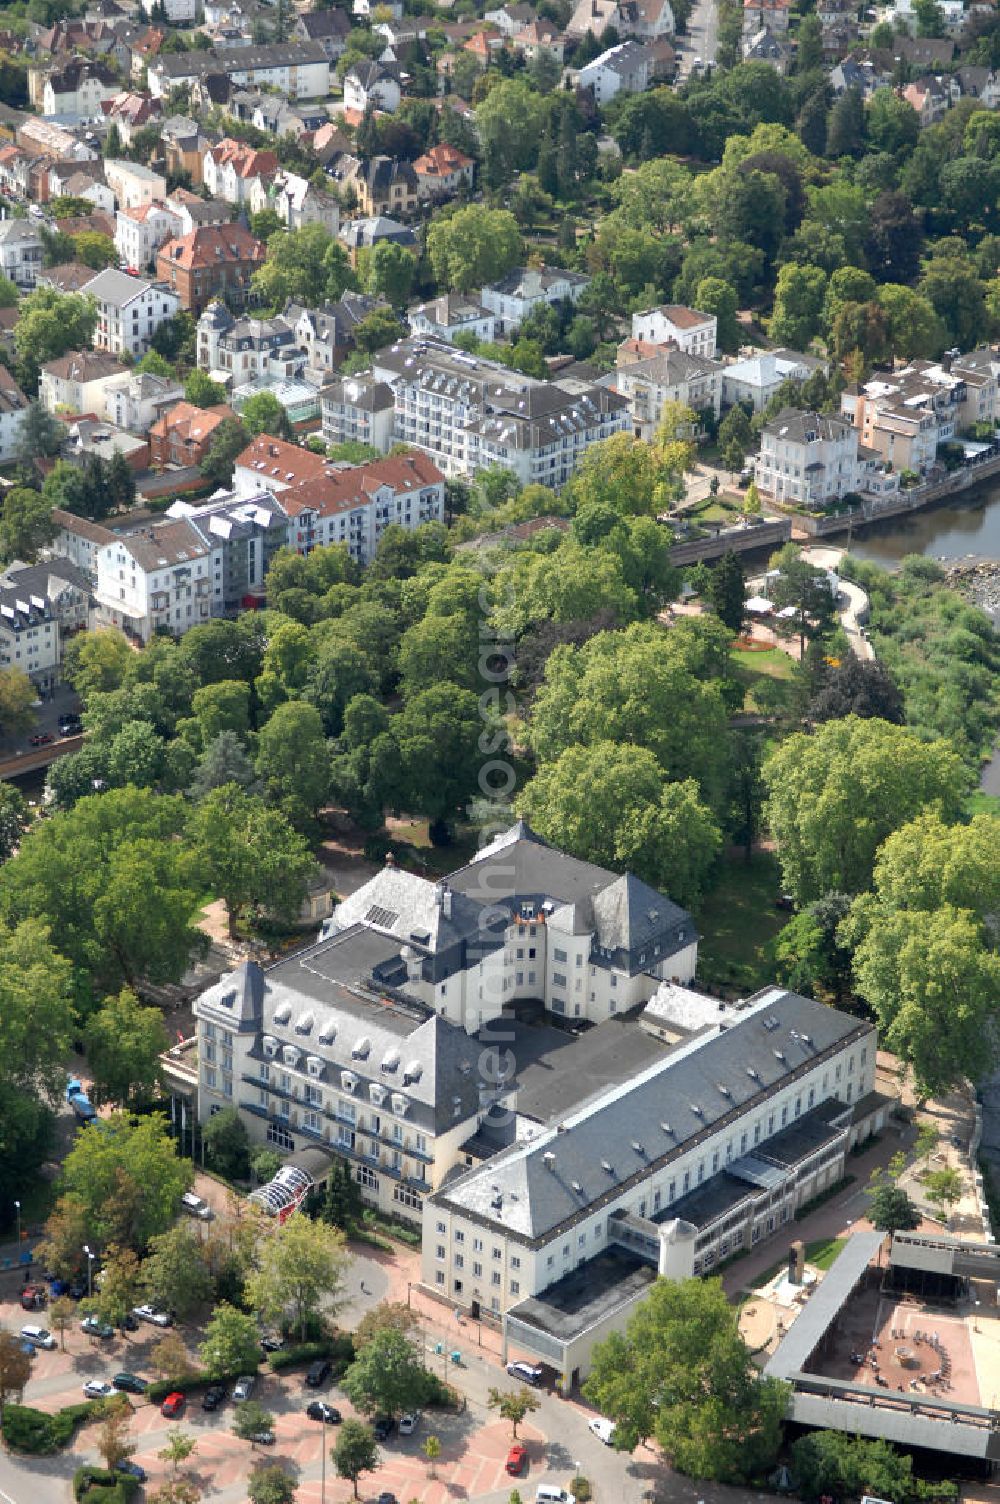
390	1061
400	1104
270	1045
282	1013
290	1055
362	1048
348	1080
304	1023
377	1093
314	1065
327	1033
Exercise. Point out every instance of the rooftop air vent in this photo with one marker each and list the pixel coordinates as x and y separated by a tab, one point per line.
754	1072
607	1166
637	1146
779	1055
667	1129
549	1159
698	1111
724	1089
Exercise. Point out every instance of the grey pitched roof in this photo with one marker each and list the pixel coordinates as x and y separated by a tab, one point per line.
653	1117
228	60
111	286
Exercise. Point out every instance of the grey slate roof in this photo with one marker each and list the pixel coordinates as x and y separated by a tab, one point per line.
824	1305
536	1198
235	59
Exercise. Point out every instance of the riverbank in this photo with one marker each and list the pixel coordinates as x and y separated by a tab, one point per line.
979	581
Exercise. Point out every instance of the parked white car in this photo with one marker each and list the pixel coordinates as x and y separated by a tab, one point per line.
603	1429
38	1336
150	1313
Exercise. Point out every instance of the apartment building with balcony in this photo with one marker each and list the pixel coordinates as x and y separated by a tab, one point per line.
652	380
811	459
688	329
906	415
300	70
358	409
469	413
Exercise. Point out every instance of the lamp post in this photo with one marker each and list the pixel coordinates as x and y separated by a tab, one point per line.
90	1270
17	1208
322	1475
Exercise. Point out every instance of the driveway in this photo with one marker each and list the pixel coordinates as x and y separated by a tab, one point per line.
852	601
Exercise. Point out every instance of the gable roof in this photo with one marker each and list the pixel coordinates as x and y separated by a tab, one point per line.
207	245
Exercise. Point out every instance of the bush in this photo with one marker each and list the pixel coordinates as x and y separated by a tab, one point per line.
439	1395
394	1227
98	1486
40	1434
339	1349
580	1486
200	1379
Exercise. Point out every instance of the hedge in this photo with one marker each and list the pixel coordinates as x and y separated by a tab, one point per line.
39	1433
98	1486
339	1349
199	1379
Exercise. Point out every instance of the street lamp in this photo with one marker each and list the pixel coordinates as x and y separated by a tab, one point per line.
17	1208
322	1476
90	1269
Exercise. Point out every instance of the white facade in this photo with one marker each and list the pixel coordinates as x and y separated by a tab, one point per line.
298	69
453	314
631	1168
20	252
367	84
139	233
129	309
755	380
76	93
13	408
691	331
624	68
178	11
808	459
80	383
134	184
469	413
671	377
513	298
295	201
140	400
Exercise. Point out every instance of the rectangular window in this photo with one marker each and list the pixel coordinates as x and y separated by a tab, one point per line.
559	955
477	1270
496	1277
515	1288
459	1261
515	1262
559	979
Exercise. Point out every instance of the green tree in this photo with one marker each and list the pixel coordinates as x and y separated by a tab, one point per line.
222	706
175	1273
17	699
271	1484
833	1462
432	1451
472	246
225	760
508	124
251	855
226	444
735	438
113	1442
171	1358
263	413
915	328
391	272
944	1187
15	1369
41	435
613	804
890	1208
355	1452
95	250
294	761
66	1231
26	524
95	662
124	1043
437	746
180	1445
91	870
811	957
715	296
727	591
227	1143
681	1372
231	1344
835	796
377	329
307	265
387	1375
250	1419
202	391
62	1314
893	123
512	1405
798	305
119	1285
300	1265
128	1178
50	324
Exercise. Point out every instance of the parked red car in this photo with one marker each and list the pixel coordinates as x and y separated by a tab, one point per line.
516	1458
172	1405
33	1298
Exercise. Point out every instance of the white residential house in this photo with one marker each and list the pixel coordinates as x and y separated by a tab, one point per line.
371	85
295	201
359	409
299	70
690	330
76	90
754	380
128	310
178	12
134	184
514	296
624	68
81	382
811	459
21	251
140	232
140	400
646	20
670	376
13	406
40	604
453	313
232	169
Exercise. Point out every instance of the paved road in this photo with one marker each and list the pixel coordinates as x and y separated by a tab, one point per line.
702	37
852	602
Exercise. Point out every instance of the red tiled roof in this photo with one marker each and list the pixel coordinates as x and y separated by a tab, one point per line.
185	421
441	160
210	245
280	460
246	161
343	490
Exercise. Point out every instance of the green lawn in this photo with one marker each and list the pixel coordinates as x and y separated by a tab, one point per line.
824	1252
983	804
738	923
766	678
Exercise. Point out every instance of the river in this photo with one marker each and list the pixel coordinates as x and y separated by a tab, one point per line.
968	524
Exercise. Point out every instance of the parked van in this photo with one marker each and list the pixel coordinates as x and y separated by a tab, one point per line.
548	1493
195	1207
